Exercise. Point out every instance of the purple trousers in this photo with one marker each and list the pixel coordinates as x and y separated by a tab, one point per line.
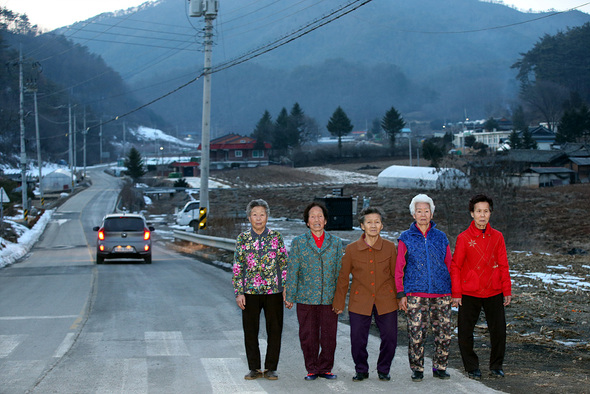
318	326
359	337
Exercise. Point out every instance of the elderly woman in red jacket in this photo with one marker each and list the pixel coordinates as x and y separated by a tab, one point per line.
480	279
371	261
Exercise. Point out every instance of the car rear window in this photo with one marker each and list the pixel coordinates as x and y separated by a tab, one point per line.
123	224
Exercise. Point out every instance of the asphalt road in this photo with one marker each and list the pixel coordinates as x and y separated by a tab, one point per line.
70	326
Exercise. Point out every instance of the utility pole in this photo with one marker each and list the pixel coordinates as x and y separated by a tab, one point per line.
39	163
208	9
70	155
23	152
84	132
75	145
100	139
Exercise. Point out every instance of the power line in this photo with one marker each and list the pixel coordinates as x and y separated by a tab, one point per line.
314	25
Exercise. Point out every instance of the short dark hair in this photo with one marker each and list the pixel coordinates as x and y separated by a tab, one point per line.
480	198
369	211
312	205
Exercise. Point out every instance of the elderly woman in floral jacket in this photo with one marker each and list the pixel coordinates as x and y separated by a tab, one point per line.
314	263
259	272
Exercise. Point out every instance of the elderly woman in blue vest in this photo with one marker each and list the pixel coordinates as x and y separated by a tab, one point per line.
423	282
314	263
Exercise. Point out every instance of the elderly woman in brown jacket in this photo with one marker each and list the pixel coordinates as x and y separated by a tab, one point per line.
371	261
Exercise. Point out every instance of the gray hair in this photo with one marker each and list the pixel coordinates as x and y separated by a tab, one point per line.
257	203
421	198
369	211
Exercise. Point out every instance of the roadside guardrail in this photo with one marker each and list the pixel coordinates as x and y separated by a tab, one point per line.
207	240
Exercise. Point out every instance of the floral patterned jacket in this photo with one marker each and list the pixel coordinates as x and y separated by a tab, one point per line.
260	263
313	272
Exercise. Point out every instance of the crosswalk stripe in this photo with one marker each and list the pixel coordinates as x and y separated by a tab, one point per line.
8	343
165	343
124	376
223	379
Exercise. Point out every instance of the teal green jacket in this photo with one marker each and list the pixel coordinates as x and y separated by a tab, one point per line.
312	273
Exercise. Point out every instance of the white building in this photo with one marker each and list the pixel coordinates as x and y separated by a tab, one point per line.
405	177
493	139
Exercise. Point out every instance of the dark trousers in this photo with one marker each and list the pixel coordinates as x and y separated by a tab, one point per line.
493	308
318	326
272	305
359	337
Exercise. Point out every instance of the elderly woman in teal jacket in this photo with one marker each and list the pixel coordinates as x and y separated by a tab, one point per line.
314	263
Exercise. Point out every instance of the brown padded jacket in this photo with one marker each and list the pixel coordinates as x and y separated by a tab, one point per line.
373	281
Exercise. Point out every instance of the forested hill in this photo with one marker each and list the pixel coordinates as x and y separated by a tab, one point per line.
64	74
429	58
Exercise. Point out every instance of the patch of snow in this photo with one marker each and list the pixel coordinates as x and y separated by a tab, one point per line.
10	252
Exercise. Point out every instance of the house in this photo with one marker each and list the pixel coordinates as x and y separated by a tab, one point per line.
544	137
405	177
233	150
579	159
536	177
522	159
186	168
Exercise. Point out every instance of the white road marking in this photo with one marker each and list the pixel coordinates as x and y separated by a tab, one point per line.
65	345
8	343
128	375
165	343
6	318
223	379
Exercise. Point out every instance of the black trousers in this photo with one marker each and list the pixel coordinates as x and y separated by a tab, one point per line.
272	304
493	308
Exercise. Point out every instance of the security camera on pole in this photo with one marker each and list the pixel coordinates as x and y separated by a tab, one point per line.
208	9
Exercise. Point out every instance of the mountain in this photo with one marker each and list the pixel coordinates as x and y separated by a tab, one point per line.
428	58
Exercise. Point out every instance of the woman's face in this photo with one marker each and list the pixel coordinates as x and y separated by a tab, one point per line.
422	214
316	220
258	219
372	225
481	214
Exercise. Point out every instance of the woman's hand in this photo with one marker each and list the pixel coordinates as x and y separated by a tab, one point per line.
241	301
337	311
402	304
456	301
507	300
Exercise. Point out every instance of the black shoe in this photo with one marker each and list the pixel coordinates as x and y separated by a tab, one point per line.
253	374
496	373
384	376
417	376
327	375
271	375
311	376
475	374
440	373
360	376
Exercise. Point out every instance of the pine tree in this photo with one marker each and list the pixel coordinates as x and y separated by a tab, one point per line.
134	164
392	123
339	125
514	140
263	131
280	141
527	140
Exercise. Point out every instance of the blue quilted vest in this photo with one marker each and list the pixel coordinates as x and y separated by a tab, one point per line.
425	270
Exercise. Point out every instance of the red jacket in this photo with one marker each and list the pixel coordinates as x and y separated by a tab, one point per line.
480	264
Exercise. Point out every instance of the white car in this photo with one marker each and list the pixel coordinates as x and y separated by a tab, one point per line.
189	215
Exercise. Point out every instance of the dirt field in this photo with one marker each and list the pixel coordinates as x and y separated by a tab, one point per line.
547	232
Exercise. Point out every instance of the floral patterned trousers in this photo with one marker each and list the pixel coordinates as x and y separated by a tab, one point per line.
424	313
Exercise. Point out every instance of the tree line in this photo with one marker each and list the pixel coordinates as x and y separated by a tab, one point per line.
293	129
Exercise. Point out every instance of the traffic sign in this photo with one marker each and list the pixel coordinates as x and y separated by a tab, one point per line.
3	196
